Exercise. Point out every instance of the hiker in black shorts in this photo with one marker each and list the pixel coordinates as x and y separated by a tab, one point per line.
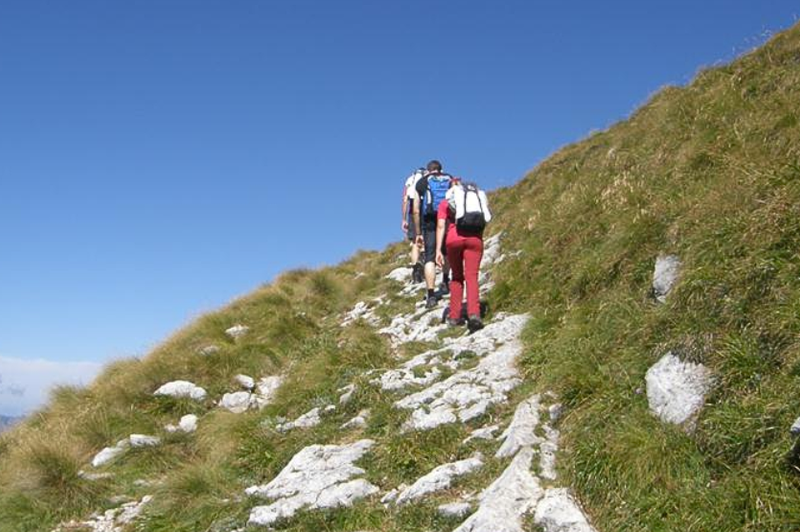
430	191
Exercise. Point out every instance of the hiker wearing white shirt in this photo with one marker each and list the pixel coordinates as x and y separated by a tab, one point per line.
409	228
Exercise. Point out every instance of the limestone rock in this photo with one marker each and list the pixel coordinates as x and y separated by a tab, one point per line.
666	273
558	512
467	394
182	389
401	275
319	476
358	421
347	393
94	477
307	420
208	350
246	382
142	440
113	520
266	389
521	432
440	478
363	311
188	423
237	331
547	453
454	509
504	503
675	389
109	453
236	402
483	433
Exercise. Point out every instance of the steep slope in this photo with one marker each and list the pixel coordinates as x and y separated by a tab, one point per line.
364	393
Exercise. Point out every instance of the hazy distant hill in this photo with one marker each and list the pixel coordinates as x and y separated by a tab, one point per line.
7	421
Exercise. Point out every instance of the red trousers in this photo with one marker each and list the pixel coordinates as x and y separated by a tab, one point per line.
464	255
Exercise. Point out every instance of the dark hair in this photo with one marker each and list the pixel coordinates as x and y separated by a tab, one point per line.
434	166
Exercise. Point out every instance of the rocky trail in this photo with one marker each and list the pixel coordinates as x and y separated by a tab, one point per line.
458	381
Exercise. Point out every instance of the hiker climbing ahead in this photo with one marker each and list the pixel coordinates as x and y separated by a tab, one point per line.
431	190
467	211
409	227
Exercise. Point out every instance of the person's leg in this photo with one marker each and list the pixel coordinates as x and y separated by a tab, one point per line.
429	237
473	252
455	254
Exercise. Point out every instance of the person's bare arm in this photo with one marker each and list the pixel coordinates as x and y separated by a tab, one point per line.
417	225
440	223
404	221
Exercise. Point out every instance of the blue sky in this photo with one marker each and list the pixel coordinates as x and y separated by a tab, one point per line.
159	158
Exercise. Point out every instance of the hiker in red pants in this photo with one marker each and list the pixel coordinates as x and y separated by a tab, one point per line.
464	245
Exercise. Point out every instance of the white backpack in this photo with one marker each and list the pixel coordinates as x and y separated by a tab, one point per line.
471	207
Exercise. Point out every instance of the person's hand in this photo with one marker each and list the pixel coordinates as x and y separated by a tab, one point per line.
405	226
439	258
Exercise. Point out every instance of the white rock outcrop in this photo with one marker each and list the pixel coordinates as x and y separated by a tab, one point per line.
188	423
266	389
665	276
245	381
440	478
237	331
795	428
521	432
547	453
506	501
319	476
143	440
347	393
114	520
467	394
483	433
239	402
557	511
454	509
357	422
401	274
182	389
208	350
307	420
364	311
236	402
110	453
676	389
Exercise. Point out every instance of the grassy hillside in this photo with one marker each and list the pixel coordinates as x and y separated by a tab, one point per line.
709	172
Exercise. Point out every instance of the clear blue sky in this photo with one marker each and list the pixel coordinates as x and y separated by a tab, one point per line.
158	158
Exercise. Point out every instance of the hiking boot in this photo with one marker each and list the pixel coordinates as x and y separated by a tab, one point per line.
454	323
474	323
431	301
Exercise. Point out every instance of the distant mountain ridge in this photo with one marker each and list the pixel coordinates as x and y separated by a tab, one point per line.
7	421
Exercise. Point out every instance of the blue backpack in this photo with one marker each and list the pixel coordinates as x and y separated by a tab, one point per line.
438	185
